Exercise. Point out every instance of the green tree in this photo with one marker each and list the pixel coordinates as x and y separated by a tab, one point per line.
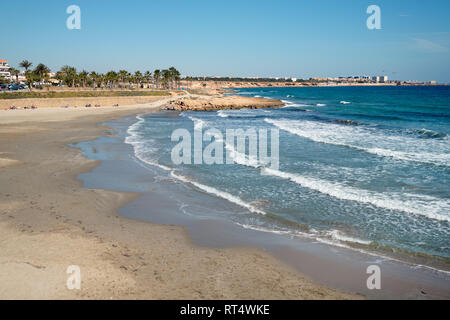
3	79
157	77
124	76
138	78
95	79
83	77
26	65
15	73
175	76
68	75
111	78
29	76
166	78
41	71
147	77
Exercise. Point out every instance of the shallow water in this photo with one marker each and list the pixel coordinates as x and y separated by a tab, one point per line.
358	165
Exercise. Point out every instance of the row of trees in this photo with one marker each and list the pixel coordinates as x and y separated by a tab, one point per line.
38	74
167	78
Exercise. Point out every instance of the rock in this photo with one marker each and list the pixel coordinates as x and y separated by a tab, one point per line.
207	103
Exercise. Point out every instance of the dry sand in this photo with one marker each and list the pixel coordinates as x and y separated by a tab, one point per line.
49	222
79	102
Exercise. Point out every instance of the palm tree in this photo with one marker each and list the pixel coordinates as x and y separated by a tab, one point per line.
123	76
147	77
15	73
42	71
69	75
111	77
166	78
138	77
83	76
2	79
101	79
26	65
94	76
60	76
156	77
175	76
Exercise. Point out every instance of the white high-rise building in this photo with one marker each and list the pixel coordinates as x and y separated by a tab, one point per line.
4	68
380	79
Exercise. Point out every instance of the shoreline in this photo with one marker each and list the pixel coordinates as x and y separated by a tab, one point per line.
347	264
224	85
51	222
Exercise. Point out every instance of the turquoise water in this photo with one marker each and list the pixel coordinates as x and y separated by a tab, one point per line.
358	165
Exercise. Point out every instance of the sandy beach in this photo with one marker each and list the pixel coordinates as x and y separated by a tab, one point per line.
48	222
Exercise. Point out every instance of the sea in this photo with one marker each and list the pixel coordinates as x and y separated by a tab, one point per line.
360	167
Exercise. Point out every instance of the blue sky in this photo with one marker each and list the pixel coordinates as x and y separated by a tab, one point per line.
298	38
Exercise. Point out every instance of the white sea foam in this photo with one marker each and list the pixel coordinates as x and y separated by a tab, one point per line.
341	237
369	140
140	148
294	105
221	194
433	208
222	114
321	105
198	123
333	237
337	239
345	102
241	158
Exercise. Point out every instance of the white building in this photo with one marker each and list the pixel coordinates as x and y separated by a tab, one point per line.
380	79
4	68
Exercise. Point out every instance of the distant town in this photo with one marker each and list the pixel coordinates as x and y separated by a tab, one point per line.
41	76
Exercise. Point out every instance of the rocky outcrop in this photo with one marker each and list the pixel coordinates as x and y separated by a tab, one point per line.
222	103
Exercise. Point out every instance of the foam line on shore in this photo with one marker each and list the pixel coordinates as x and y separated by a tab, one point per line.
221	194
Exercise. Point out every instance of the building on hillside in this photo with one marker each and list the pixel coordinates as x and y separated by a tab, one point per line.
376	79
4	68
383	79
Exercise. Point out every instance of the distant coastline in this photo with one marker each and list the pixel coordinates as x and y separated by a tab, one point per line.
223	85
